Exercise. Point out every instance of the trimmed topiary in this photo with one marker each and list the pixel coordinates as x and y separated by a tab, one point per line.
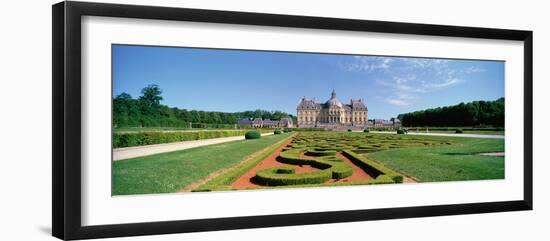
458	131
366	130
321	153
349	130
252	135
374	169
277	132
400	131
282	176
150	138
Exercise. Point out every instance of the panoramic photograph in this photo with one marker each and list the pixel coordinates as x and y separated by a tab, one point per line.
200	120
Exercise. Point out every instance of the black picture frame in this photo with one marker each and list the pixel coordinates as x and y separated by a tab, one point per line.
66	75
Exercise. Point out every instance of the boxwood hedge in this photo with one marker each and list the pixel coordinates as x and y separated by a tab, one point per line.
252	135
282	176
373	168
337	167
321	153
149	138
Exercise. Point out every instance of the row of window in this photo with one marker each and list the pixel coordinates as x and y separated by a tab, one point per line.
331	119
330	113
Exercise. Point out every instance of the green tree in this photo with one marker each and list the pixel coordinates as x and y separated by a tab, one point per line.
151	95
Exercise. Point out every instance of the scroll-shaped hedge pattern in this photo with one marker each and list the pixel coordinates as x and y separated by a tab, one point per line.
329	167
282	176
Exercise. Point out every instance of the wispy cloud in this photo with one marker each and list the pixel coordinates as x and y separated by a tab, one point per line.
398	102
409	77
400	99
368	64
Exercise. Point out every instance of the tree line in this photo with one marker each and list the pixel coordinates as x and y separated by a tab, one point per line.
146	111
476	113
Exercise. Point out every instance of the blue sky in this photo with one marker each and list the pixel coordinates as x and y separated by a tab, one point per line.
235	80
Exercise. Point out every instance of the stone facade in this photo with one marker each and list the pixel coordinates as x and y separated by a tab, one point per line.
261	123
332	113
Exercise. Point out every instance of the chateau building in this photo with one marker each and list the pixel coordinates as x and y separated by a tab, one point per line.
332	113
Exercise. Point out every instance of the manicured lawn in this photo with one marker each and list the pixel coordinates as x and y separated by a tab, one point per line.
448	162
170	172
463	132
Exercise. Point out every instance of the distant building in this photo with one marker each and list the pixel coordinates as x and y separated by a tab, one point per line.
257	123
286	122
392	123
267	123
332	113
270	123
396	122
245	122
382	123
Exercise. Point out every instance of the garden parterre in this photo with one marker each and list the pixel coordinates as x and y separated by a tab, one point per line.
325	152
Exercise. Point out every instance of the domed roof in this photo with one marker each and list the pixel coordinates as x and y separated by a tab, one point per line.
333	101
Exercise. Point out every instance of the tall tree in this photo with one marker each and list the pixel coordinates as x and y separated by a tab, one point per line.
476	113
151	95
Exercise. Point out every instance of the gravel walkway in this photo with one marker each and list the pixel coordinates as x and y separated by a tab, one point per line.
139	151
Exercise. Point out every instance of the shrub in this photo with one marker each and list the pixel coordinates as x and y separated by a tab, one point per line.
321	153
252	135
382	179
366	130
150	138
400	131
282	176
458	131
373	168
277	132
287	130
330	163
349	130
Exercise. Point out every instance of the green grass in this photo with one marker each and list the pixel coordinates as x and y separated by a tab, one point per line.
446	163
170	172
412	131
426	158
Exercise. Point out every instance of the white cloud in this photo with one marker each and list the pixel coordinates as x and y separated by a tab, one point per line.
401	99
473	69
443	84
408	77
397	102
368	63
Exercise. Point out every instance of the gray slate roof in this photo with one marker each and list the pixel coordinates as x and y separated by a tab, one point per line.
308	104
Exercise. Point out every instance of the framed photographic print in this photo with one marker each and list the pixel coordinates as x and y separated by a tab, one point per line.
169	120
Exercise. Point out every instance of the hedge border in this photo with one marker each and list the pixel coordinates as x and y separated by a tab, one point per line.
129	139
370	166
